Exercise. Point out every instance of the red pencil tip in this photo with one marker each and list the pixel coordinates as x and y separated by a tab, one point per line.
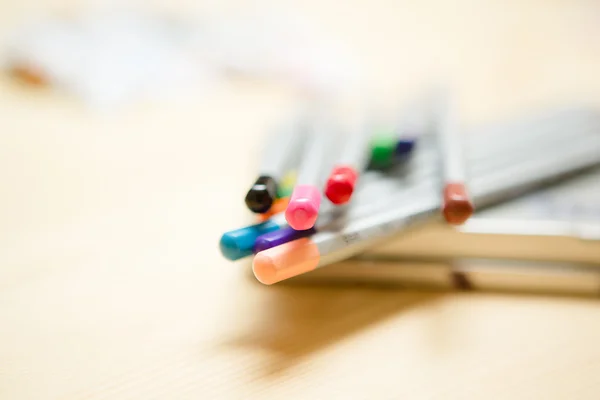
340	185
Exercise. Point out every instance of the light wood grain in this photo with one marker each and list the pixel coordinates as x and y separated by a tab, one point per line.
111	285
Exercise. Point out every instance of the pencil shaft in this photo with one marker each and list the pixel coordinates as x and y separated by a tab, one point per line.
282	149
313	159
450	145
529	131
356	150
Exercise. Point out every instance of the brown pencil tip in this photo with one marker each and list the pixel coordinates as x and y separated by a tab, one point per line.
457	208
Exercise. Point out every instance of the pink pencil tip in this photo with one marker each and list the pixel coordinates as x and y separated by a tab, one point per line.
303	208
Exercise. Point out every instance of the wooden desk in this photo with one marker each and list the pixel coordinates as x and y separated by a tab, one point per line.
112	287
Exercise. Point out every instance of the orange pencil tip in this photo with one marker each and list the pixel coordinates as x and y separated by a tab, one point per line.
278	206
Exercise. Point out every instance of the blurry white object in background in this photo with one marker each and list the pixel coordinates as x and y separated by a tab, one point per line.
109	59
278	45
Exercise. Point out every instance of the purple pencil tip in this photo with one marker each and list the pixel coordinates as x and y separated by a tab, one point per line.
281	236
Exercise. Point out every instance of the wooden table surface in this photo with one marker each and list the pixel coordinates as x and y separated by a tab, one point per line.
112	286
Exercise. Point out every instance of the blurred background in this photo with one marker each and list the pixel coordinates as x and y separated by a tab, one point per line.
129	132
